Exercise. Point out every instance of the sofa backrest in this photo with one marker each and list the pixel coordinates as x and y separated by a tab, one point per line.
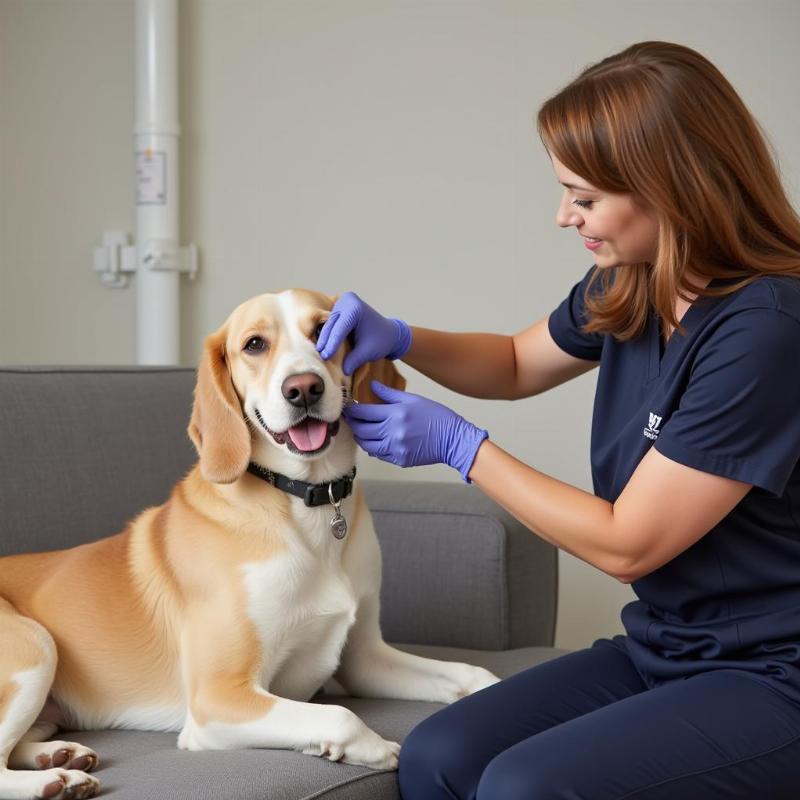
84	449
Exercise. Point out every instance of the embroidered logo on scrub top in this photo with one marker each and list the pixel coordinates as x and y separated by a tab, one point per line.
651	431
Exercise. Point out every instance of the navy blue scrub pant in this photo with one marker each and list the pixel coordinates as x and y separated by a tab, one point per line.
584	726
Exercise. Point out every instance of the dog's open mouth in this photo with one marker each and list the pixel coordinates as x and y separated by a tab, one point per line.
309	436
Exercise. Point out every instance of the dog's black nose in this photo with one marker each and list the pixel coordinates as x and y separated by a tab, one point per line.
303	390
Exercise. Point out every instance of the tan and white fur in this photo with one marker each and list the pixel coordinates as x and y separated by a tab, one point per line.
220	613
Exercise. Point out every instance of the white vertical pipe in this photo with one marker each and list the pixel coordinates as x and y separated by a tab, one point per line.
157	132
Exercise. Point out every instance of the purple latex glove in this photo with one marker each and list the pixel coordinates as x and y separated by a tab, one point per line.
410	430
375	336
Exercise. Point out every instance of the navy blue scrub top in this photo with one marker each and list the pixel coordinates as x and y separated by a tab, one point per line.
724	399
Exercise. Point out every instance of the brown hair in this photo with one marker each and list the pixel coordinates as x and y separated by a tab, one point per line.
659	121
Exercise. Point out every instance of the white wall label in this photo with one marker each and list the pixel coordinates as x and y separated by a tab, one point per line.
151	178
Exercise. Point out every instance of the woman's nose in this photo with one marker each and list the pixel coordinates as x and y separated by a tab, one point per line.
567	214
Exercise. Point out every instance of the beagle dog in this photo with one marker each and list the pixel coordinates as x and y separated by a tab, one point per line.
220	613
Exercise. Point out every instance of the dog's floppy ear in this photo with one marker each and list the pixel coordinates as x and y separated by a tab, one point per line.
383	371
217	426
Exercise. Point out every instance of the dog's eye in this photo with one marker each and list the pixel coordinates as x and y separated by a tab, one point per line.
255	344
317	331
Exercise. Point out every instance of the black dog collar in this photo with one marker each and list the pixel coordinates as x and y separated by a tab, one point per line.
313	494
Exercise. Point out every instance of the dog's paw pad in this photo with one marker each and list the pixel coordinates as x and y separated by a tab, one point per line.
46	755
52	789
67	785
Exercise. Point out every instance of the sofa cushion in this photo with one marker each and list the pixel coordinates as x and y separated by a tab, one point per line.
137	765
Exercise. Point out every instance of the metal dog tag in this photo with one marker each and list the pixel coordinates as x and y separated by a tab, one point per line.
338	526
338	522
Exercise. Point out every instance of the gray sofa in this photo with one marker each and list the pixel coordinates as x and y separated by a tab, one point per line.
84	449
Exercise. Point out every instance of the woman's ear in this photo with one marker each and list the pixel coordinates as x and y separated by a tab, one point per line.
384	371
217	426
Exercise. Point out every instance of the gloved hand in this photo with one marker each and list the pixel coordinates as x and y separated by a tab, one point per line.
376	336
410	430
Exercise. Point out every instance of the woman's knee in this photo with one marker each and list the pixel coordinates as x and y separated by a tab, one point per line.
434	761
525	776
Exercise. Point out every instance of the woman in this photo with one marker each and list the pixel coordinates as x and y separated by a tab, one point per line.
692	311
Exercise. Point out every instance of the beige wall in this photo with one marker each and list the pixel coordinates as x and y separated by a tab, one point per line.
384	147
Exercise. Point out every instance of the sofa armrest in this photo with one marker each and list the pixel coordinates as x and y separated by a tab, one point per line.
459	570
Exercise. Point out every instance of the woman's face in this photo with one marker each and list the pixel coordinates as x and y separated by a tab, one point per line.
628	233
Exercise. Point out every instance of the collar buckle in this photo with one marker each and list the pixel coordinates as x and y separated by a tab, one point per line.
309	496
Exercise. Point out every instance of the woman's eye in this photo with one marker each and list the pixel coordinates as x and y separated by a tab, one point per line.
255	344
583	203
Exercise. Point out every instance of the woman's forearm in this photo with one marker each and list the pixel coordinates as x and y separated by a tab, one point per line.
569	518
475	364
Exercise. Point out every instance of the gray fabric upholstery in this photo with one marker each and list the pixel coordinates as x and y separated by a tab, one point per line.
448	547
84	449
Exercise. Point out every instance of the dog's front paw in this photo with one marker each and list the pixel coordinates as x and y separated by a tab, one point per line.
358	745
475	679
461	680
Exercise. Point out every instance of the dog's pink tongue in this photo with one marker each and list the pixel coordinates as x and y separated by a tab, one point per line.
309	434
